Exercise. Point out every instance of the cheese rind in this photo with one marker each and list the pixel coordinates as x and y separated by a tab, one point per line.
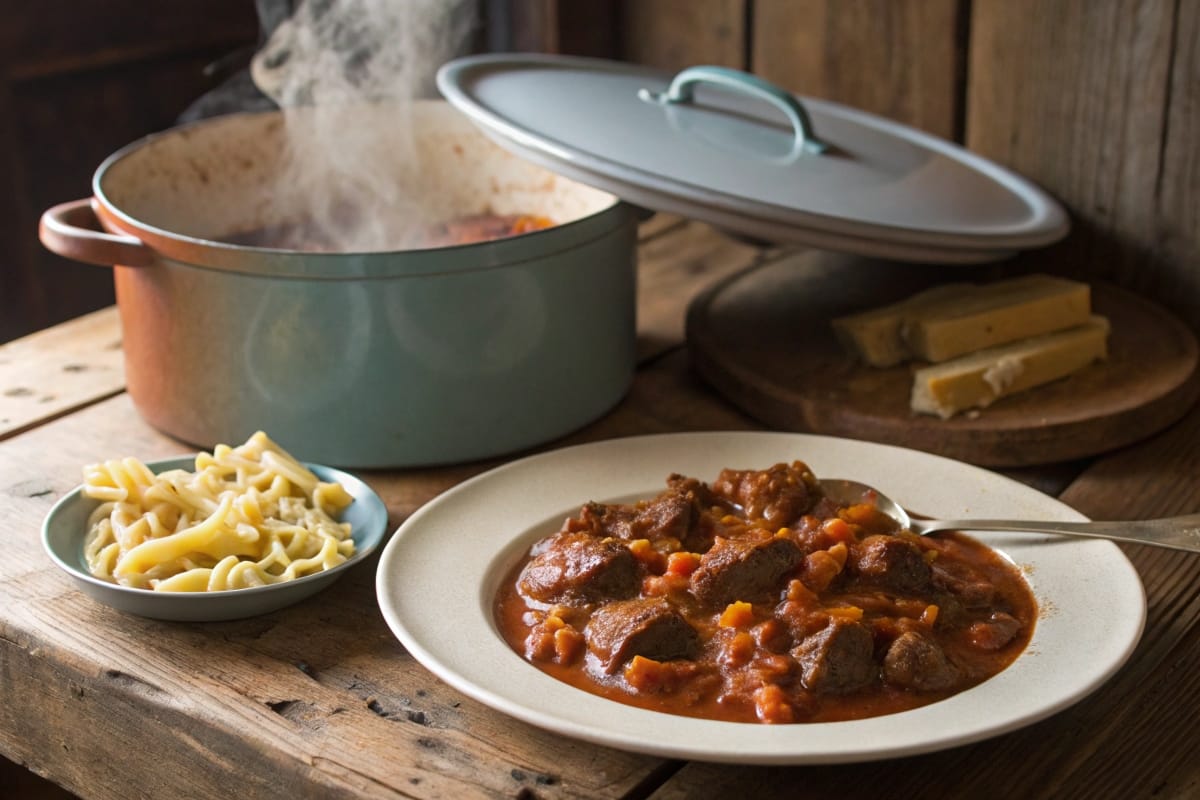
996	314
979	379
875	337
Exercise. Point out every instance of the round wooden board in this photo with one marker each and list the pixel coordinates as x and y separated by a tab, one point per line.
762	338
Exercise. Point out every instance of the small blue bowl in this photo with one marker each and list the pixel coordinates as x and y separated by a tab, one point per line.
65	529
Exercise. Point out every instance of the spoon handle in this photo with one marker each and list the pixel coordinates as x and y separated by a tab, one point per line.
1177	533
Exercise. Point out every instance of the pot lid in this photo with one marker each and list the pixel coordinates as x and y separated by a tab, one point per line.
733	150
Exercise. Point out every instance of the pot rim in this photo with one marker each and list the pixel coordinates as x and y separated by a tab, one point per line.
345	265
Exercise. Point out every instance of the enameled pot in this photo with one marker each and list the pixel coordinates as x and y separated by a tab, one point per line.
370	358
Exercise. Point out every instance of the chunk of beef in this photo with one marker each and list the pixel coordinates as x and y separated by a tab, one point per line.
914	661
603	520
650	628
837	659
668	516
703	495
576	568
994	632
780	495
951	613
893	563
677	513
683	512
970	589
748	568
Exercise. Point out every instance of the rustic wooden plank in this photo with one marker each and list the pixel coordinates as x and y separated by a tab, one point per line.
311	686
674	34
319	696
528	26
1156	478
902	59
324	695
675	266
665	398
354	654
658	223
1097	102
52	372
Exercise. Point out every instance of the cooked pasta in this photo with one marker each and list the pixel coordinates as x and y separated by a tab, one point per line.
247	516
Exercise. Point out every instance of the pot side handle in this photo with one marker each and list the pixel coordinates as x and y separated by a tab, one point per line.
72	230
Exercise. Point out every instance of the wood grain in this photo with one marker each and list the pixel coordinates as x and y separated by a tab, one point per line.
675	266
77	82
902	59
318	700
47	374
1097	102
278	701
281	701
673	34
763	339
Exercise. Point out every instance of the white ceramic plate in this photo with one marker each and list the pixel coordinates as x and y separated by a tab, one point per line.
65	529
439	573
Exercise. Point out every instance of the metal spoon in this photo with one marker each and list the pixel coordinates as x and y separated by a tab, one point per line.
1177	533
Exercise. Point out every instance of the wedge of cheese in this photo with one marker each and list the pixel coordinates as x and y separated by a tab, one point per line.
875	336
957	318
995	314
979	379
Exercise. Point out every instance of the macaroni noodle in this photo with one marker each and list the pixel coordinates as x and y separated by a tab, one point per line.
248	516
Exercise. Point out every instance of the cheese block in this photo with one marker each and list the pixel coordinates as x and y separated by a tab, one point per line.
874	336
995	314
979	379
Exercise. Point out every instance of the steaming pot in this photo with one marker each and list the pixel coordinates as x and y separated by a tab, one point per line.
362	359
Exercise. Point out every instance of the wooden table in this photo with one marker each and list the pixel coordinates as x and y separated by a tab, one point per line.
320	700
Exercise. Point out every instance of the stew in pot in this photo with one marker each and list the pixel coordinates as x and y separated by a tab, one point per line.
756	598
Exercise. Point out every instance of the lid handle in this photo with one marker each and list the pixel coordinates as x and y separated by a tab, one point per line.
683	85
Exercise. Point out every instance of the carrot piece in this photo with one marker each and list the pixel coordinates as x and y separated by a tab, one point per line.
682	563
838	529
851	613
929	616
737	614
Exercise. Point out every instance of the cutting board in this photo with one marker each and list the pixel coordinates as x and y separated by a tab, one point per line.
762	338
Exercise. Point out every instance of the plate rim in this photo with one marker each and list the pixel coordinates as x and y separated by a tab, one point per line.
751	743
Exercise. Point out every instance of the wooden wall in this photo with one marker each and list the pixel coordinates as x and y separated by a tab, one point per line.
78	80
1099	101
1096	100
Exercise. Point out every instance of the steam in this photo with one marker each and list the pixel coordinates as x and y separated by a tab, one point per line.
323	66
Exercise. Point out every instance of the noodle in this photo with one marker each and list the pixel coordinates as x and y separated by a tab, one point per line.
248	516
